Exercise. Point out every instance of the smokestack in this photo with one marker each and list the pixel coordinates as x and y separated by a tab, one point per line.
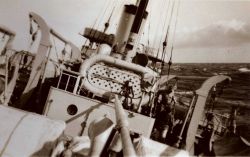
138	25
140	14
125	25
132	18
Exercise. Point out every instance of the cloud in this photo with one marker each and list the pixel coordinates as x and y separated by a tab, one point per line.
221	34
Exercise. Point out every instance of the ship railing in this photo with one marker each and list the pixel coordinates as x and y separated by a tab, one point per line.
220	123
69	81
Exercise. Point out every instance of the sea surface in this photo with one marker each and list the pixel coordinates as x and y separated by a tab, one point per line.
236	93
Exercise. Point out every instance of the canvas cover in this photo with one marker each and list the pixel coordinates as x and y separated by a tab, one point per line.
147	148
24	134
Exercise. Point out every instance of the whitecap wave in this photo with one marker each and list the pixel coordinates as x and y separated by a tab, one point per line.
244	70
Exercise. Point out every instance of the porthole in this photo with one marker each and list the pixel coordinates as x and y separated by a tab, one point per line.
72	109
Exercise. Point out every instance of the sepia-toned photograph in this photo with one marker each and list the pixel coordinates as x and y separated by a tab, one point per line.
114	78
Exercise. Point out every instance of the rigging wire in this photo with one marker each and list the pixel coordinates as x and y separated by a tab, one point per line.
92	28
166	38
111	15
172	46
167	34
103	14
99	15
164	25
157	31
96	22
106	25
100	21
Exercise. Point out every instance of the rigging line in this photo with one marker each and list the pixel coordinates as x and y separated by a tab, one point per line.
176	20
164	53
166	38
163	31
157	31
103	14
92	27
101	19
163	28
109	19
107	24
170	61
93	24
172	47
99	15
165	20
96	23
167	34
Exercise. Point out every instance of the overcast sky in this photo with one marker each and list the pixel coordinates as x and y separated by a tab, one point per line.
207	30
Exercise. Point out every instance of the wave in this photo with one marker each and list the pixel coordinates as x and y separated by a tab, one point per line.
244	70
232	145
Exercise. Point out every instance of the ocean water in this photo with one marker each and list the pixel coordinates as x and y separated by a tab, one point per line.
236	93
